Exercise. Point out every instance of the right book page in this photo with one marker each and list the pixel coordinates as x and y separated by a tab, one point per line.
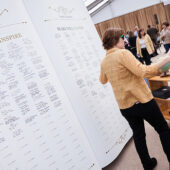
72	43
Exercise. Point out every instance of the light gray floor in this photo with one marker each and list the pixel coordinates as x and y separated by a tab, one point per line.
128	159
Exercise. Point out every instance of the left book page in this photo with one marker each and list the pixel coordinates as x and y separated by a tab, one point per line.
73	45
38	129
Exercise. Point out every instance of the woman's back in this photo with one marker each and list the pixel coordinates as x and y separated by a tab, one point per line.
126	75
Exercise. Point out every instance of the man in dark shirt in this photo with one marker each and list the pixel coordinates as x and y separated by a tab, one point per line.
153	33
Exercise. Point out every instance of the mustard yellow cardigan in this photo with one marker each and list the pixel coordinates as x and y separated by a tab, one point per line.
126	75
149	45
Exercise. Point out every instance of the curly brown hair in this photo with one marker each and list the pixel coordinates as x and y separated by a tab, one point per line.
111	37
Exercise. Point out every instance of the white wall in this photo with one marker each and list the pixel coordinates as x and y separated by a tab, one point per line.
121	7
166	2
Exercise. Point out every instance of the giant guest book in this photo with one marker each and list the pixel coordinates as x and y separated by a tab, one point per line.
55	114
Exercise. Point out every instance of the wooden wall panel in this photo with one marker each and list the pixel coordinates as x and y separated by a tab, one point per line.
150	15
98	30
130	21
102	27
167	10
141	18
160	11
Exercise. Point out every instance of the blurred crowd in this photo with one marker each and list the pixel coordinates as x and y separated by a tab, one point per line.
144	45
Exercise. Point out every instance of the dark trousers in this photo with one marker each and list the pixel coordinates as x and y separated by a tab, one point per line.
150	112
154	40
167	47
133	50
146	56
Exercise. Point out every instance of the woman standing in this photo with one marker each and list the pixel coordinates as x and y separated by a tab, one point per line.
165	36
132	43
144	46
126	75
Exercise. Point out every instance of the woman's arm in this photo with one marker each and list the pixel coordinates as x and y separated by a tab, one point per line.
137	45
132	64
165	61
103	79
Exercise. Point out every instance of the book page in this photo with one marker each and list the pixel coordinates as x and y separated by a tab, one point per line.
38	128
75	49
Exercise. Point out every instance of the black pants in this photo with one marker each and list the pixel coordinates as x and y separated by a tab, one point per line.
146	56
151	113
133	50
167	47
154	41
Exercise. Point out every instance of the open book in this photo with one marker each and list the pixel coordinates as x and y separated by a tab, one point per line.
55	114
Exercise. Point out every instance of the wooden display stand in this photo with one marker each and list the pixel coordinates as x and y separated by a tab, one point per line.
164	104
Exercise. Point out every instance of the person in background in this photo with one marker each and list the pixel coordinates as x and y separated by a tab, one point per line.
132	43
144	46
126	75
153	33
126	42
165	36
136	31
132	46
127	36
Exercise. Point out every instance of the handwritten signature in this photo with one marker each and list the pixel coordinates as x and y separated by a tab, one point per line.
3	11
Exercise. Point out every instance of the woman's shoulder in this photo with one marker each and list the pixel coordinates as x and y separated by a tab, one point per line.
137	39
125	55
119	52
124	51
147	36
